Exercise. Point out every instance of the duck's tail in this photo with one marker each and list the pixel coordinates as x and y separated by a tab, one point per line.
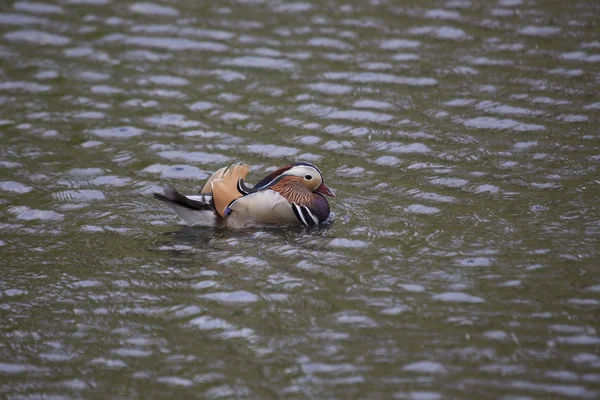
193	210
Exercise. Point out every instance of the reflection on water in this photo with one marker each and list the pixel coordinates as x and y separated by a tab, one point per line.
461	139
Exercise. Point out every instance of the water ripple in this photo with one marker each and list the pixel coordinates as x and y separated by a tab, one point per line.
41	8
37	37
20	20
168	43
259	62
501	124
356	115
457	297
539	30
16	187
443	32
195	156
375	77
153	9
123	132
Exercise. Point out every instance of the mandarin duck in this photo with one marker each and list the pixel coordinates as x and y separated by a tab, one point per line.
291	195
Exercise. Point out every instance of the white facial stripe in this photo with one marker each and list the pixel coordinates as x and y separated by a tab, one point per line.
298	170
315	167
303	170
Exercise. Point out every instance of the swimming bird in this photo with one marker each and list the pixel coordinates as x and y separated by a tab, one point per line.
293	195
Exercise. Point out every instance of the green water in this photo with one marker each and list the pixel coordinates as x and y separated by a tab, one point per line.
460	137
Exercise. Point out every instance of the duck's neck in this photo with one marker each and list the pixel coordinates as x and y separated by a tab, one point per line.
295	192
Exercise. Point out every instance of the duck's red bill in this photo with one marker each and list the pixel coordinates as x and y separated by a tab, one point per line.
323	189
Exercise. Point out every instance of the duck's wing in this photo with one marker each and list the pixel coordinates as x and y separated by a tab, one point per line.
193	210
207	188
224	187
265	207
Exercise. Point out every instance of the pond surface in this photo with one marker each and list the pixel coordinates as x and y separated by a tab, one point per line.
461	138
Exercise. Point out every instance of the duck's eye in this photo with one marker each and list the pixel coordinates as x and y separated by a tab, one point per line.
307	177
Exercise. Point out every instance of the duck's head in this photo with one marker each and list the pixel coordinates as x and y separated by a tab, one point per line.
304	173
